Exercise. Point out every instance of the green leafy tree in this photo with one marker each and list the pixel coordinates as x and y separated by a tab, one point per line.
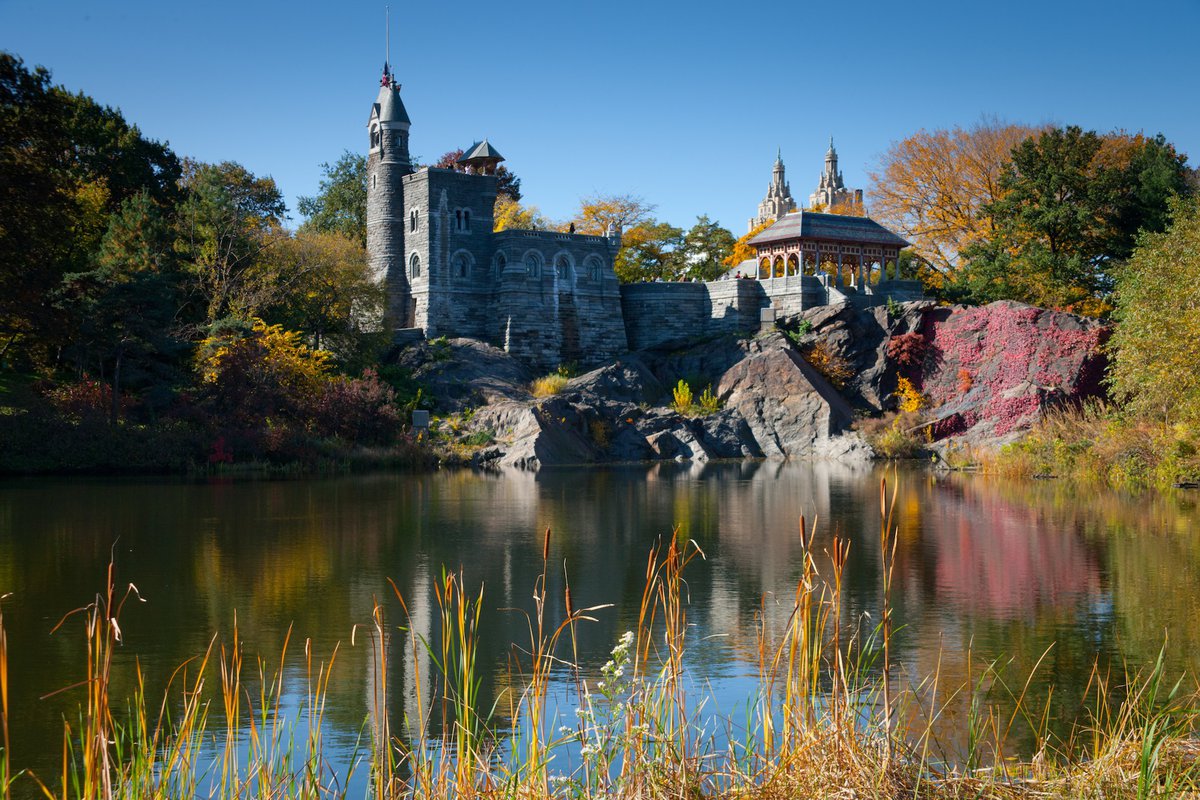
705	248
1071	205
341	204
66	165
224	228
650	251
1156	342
325	292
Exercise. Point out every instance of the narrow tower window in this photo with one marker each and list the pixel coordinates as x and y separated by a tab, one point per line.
466	220
414	266
413	220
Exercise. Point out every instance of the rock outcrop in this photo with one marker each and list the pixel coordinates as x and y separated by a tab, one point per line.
773	404
991	372
986	375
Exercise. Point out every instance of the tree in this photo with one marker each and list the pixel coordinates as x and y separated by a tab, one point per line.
341	204
932	187
253	372
324	290
1071	206
509	184
849	208
127	303
224	226
742	251
66	165
509	214
705	248
650	250
623	211
1155	344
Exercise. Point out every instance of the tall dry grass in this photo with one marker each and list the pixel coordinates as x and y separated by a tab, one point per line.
832	716
1097	443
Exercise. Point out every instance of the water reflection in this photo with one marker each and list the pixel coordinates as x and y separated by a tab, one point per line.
985	571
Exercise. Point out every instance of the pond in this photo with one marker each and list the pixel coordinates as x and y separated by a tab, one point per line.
1017	575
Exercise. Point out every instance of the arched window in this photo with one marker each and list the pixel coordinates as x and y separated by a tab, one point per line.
595	269
458	219
764	268
414	266
466	225
778	266
413	220
499	262
793	265
533	265
562	268
462	265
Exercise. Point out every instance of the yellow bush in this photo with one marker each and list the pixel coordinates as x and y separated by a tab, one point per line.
549	385
683	397
824	360
909	398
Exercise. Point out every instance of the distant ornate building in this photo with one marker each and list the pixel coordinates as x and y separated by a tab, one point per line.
779	197
831	189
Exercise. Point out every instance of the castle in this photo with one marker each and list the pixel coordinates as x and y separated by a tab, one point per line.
552	298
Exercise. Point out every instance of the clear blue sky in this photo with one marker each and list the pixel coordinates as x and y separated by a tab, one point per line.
681	103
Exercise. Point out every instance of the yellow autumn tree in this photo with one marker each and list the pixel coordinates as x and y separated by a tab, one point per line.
742	250
852	208
510	214
931	186
624	211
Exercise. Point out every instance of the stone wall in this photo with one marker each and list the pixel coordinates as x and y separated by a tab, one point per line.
558	299
673	314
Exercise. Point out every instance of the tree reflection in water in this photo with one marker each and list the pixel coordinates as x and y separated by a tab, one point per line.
1003	570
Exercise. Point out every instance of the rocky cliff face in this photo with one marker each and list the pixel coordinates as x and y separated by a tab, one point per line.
773	404
986	374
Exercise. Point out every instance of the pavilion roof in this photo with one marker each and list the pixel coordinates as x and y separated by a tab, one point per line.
831	227
481	150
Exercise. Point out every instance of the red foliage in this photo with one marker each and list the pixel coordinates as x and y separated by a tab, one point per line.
360	410
221	454
85	397
1022	358
907	351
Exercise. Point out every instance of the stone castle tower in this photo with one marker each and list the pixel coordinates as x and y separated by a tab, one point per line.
388	163
547	297
831	189
779	197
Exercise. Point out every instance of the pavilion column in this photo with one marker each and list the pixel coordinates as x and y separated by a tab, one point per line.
840	283
860	283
